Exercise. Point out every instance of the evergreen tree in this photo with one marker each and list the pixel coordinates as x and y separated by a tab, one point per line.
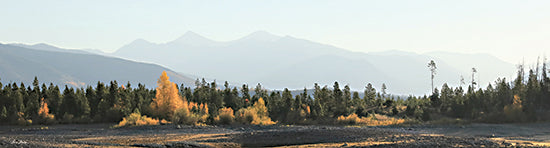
32	98
446	98
238	102
337	103
346	101
17	98
259	92
227	98
275	107
83	106
216	100
246	95
532	93
370	94
318	107
69	106
93	100
287	103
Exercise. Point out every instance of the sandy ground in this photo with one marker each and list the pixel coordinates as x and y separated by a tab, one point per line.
102	135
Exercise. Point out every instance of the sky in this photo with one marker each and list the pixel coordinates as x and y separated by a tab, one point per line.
511	30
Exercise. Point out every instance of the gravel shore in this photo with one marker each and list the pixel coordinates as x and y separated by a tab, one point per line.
102	135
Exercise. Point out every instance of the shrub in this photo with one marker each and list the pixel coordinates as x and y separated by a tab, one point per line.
256	114
225	116
350	119
191	114
183	116
67	118
374	120
136	119
164	122
21	119
514	111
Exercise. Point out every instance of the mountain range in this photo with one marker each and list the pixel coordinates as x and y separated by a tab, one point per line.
287	62
76	68
276	62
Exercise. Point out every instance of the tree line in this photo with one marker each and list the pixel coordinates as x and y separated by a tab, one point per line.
525	99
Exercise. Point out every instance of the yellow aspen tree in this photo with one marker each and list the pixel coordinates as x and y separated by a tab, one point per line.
167	99
43	110
44	113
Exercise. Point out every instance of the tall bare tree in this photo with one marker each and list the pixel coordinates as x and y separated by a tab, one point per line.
433	69
474	71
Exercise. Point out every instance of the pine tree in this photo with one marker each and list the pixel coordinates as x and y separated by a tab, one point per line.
83	112
227	97
216	99
259	93
93	100
446	98
336	105
370	95
237	101
53	96
346	101
245	95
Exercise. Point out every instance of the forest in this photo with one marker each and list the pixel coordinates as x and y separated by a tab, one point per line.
524	99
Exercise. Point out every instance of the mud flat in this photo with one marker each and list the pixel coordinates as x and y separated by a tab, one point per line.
102	135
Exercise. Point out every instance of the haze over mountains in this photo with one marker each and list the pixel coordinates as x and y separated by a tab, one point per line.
286	62
276	62
75	67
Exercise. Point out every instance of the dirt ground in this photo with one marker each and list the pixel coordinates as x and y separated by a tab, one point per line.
102	135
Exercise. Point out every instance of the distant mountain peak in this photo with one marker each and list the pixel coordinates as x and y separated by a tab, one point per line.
261	36
190	34
140	41
192	38
136	43
43	45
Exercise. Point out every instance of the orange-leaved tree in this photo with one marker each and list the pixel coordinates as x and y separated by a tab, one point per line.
44	113
167	100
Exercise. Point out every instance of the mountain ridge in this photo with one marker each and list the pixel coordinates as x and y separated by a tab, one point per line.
285	61
253	59
19	64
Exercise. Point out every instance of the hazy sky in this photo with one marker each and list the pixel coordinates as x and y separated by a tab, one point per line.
511	30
